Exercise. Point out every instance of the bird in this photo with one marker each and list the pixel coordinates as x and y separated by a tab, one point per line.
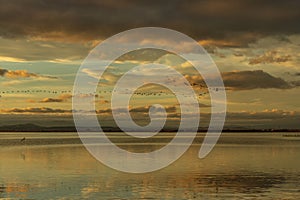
23	139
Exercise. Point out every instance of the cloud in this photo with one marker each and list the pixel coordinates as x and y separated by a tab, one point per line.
146	55
107	111
87	20
61	98
106	79
3	72
51	100
219	43
11	59
201	105
269	57
245	80
137	110
102	101
86	95
295	83
11	83
22	74
35	110
24	50
65	96
235	80
145	109
268	114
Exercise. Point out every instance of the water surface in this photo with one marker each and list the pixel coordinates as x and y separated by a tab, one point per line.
241	166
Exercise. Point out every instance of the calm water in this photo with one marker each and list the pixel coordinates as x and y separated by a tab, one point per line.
241	166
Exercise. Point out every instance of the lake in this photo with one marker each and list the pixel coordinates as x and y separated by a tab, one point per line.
241	166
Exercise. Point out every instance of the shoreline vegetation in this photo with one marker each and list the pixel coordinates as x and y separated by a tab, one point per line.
37	128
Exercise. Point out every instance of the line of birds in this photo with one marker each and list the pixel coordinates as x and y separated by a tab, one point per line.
35	91
126	91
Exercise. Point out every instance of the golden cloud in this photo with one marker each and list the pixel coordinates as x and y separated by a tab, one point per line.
22	74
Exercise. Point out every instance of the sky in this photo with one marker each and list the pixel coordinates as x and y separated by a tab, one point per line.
255	45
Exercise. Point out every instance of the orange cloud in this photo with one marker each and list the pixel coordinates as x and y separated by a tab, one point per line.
51	100
61	98
65	96
218	43
21	74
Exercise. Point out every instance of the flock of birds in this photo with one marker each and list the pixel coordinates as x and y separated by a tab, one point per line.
35	91
199	87
202	90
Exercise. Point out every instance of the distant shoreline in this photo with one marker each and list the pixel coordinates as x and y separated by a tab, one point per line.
155	142
37	128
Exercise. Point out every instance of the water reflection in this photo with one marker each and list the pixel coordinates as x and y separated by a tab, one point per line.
230	171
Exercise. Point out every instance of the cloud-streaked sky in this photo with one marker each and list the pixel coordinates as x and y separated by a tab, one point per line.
255	45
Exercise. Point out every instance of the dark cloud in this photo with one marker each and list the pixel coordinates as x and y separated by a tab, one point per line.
3	72
292	73
51	100
136	110
22	74
201	105
247	80
109	110
236	21
156	109
269	57
295	83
